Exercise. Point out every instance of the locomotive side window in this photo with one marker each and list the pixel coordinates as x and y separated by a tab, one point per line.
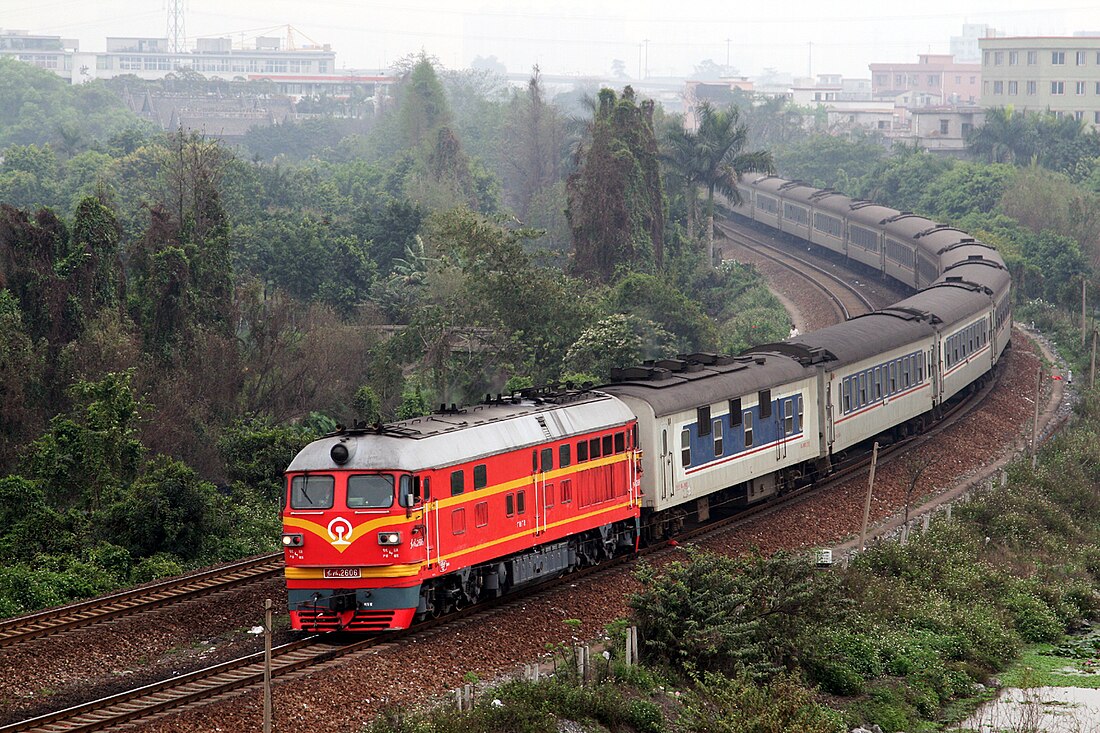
458	480
566	491
426	484
735	412
765	399
746	418
521	502
548	496
481	477
510	504
582	451
702	417
370	492
607	451
481	514
564	457
313	492
594	448
717	438
685	448
458	521
620	442
547	459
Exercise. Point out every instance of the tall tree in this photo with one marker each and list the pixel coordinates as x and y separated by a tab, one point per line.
616	205
722	159
536	135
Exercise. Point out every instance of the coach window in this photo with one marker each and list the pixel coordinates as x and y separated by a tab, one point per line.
457	483
765	400
920	368
458	521
313	492
370	492
521	502
481	514
800	407
547	459
862	389
582	451
893	377
788	417
481	477
717	438
564	457
905	372
685	448
594	448
846	395
735	412
620	442
607	445
510	505
702	419
747	419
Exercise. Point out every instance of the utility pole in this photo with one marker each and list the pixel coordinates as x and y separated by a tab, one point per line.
646	42
267	666
867	505
1084	319
1035	421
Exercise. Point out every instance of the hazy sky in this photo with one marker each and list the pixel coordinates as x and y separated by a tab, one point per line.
574	36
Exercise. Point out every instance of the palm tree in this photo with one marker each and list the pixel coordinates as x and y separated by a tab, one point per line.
1005	137
721	159
681	155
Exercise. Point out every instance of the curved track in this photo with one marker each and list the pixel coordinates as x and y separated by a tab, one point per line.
136	600
845	298
311	652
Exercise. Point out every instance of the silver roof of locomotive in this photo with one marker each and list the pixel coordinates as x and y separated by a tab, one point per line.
445	439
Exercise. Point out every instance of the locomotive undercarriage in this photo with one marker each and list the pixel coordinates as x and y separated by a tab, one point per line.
469	585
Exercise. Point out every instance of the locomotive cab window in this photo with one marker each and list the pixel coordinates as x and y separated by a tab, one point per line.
620	442
685	448
607	445
313	492
458	480
371	492
481	477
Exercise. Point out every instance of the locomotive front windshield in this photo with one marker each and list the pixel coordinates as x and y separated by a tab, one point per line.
312	492
370	492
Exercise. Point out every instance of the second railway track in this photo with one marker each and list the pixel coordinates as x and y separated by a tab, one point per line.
846	298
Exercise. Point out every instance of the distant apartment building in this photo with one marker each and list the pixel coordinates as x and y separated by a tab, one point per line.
935	78
295	72
1038	74
965	48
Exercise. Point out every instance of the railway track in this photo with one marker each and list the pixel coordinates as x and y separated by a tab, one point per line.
136	600
846	299
314	652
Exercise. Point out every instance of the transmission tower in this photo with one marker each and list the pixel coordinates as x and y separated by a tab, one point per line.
175	26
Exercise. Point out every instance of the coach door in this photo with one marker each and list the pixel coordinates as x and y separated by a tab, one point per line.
667	486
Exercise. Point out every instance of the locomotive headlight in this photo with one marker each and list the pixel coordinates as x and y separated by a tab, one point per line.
389	538
292	539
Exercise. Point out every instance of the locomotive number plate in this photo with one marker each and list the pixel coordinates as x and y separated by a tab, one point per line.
342	573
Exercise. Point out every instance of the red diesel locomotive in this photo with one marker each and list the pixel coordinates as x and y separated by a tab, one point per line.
387	524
